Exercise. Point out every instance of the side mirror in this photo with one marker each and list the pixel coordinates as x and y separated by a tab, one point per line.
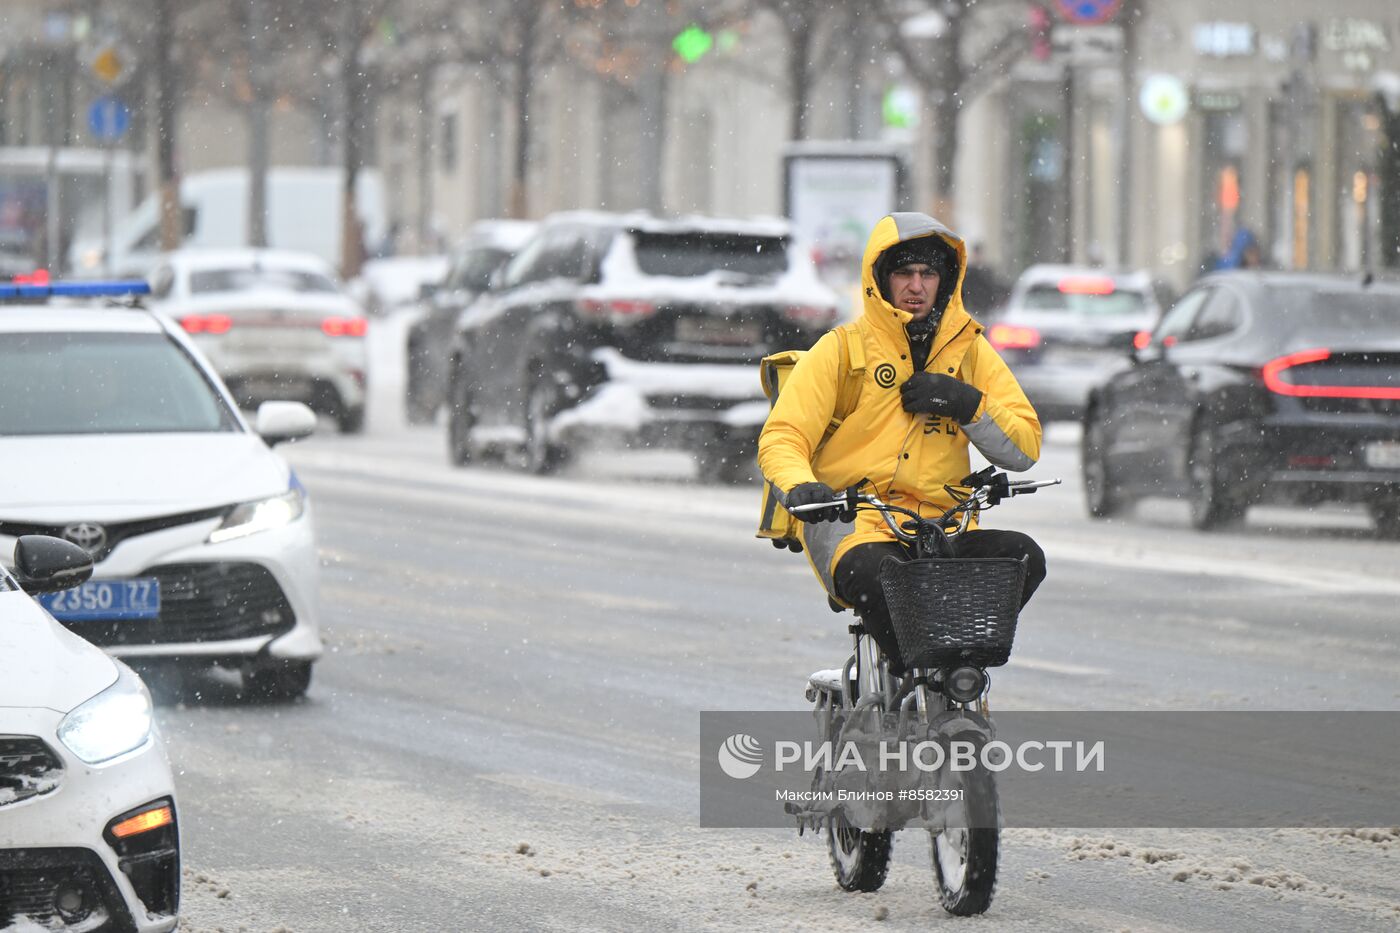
47	565
284	421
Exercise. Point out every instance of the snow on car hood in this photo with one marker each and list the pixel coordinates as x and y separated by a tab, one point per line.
113	477
45	664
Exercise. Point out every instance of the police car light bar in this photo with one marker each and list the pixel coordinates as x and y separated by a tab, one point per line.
118	289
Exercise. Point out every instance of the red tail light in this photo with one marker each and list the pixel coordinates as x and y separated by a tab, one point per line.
344	326
1273	371
37	277
1092	285
1141	339
206	323
810	315
1008	337
618	311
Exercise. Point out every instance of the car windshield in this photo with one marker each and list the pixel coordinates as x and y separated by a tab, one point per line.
103	383
1089	300
1338	311
696	254
476	267
244	279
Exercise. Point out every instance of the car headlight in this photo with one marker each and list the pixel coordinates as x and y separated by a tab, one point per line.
112	723
249	518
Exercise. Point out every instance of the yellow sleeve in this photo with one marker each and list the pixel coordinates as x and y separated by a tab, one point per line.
1006	428
801	415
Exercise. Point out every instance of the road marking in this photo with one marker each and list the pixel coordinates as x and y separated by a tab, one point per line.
1057	667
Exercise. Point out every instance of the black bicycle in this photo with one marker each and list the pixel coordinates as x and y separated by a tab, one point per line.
953	619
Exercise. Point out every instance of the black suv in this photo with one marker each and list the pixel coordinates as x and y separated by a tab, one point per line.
630	329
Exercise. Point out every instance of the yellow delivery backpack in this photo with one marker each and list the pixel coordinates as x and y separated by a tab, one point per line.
775	522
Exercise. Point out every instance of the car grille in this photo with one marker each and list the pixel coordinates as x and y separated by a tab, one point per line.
28	768
116	532
30	879
201	603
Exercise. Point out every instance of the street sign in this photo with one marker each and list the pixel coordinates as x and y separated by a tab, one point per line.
1087	12
111	63
108	118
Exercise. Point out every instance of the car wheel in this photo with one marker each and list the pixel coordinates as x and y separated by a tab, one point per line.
1101	495
1386	514
725	461
542	455
279	682
351	420
1211	502
417	407
459	420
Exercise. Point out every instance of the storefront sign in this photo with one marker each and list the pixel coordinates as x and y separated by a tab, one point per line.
1218	100
1356	41
1223	40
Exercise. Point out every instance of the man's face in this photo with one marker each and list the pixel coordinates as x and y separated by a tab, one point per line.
913	287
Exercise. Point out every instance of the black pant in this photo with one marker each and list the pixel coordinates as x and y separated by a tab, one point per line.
858	577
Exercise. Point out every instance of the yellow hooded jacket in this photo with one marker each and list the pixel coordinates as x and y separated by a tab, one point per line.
908	457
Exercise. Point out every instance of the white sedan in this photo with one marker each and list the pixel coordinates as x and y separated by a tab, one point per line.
89	837
117	435
275	324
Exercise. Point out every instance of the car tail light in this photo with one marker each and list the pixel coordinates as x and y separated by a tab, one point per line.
1010	337
344	326
1273	371
810	315
1087	285
206	323
37	277
1141	339
617	310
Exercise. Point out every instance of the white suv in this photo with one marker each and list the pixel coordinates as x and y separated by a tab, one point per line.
116	434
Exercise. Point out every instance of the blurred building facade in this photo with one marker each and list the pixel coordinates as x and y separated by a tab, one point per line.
1149	141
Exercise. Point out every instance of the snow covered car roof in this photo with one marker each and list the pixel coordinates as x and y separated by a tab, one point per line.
644	222
78	317
247	258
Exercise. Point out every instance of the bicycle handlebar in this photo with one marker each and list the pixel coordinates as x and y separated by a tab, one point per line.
982	496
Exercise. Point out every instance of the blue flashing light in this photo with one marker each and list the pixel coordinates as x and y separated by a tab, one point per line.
118	289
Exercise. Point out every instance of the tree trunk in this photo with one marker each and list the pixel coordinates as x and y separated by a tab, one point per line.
167	173
257	125
355	88
427	127
947	106
799	51
524	74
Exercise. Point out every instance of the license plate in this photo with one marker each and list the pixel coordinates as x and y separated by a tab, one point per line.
138	598
1383	455
717	330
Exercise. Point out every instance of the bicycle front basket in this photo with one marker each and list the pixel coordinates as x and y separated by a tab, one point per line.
953	611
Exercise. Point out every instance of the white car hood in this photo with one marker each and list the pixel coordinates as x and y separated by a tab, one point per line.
42	664
115	477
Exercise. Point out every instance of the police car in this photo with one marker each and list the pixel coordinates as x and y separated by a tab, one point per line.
117	435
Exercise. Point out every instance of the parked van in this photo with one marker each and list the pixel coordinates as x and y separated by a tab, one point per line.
303	214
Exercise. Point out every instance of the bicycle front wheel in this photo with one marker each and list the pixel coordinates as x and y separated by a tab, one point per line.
966	851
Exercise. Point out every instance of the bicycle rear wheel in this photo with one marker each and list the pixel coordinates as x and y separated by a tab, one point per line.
861	859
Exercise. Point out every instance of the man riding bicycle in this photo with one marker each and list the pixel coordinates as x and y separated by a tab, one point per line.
933	384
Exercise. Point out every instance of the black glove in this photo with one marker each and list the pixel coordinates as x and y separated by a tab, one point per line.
806	494
937	394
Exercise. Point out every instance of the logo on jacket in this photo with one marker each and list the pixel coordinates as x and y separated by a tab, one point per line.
89	536
885	376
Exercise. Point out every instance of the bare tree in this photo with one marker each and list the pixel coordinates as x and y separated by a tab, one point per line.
948	83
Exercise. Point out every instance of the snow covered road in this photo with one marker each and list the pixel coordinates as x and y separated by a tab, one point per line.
503	734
